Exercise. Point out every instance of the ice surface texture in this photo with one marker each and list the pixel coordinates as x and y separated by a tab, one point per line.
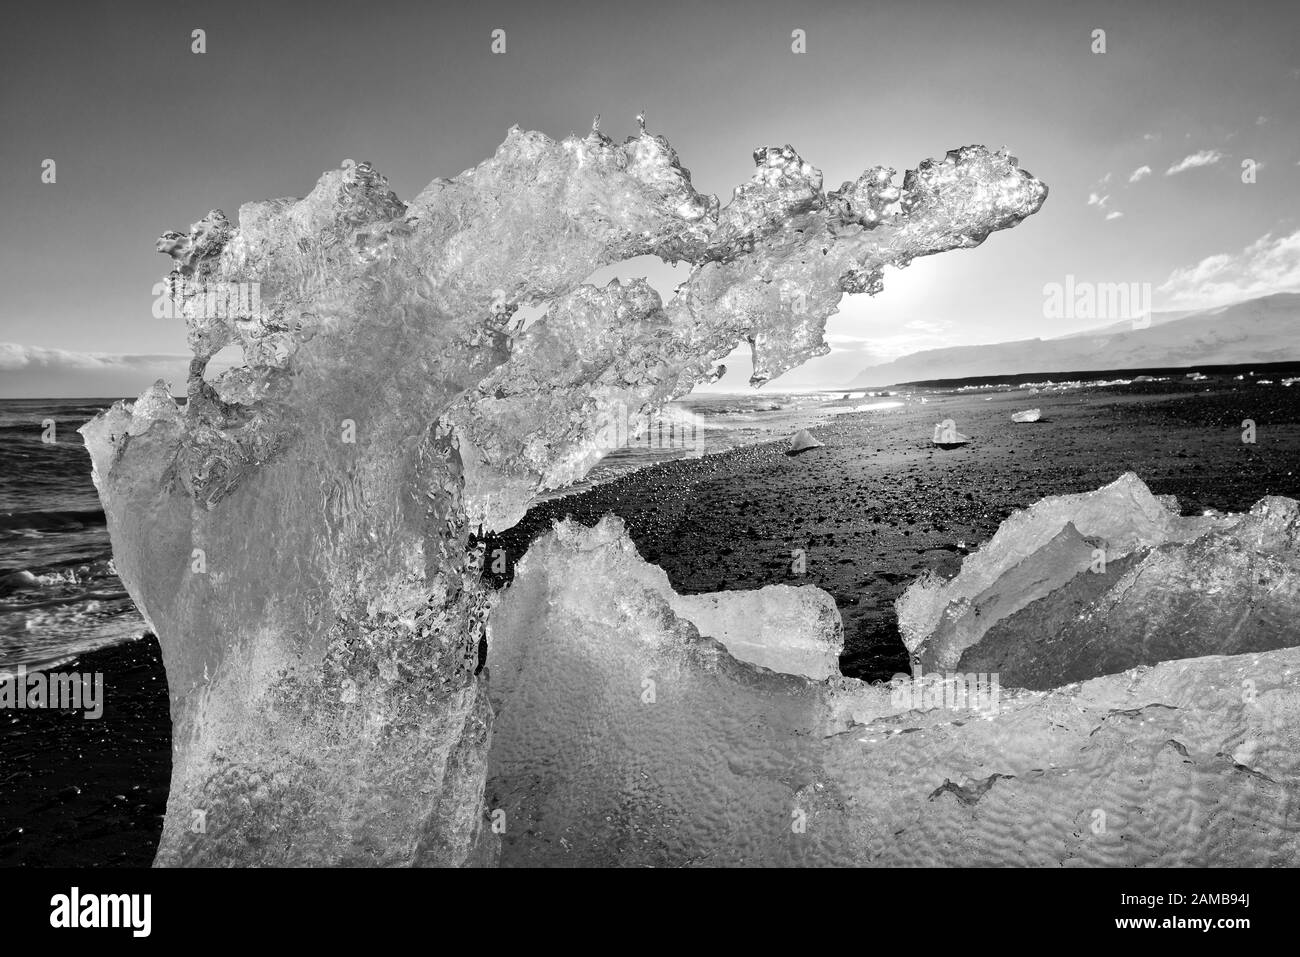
296	534
624	737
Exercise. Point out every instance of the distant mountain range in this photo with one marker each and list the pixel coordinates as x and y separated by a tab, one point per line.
1257	330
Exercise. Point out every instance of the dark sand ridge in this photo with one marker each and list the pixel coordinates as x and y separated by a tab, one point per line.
873	509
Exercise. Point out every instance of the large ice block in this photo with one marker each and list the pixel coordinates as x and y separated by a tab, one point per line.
297	533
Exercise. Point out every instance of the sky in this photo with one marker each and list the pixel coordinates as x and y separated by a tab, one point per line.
1142	145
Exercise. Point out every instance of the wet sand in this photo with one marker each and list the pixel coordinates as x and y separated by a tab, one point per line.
90	793
873	508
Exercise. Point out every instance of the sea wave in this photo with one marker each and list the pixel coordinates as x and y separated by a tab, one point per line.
47	521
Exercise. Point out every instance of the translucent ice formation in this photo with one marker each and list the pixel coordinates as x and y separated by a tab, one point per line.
296	534
802	441
623	737
777	261
1082	585
795	629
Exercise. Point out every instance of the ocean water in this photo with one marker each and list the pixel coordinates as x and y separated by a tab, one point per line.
60	596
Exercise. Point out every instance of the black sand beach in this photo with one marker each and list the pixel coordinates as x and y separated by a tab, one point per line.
879	504
77	792
872	509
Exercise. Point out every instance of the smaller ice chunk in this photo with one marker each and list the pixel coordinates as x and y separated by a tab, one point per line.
946	435
965	621
1124	515
1029	415
625	737
793	629
1125	582
802	441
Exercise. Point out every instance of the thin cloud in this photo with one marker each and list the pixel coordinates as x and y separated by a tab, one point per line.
51	373
15	357
1102	202
1269	265
1195	160
1141	173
